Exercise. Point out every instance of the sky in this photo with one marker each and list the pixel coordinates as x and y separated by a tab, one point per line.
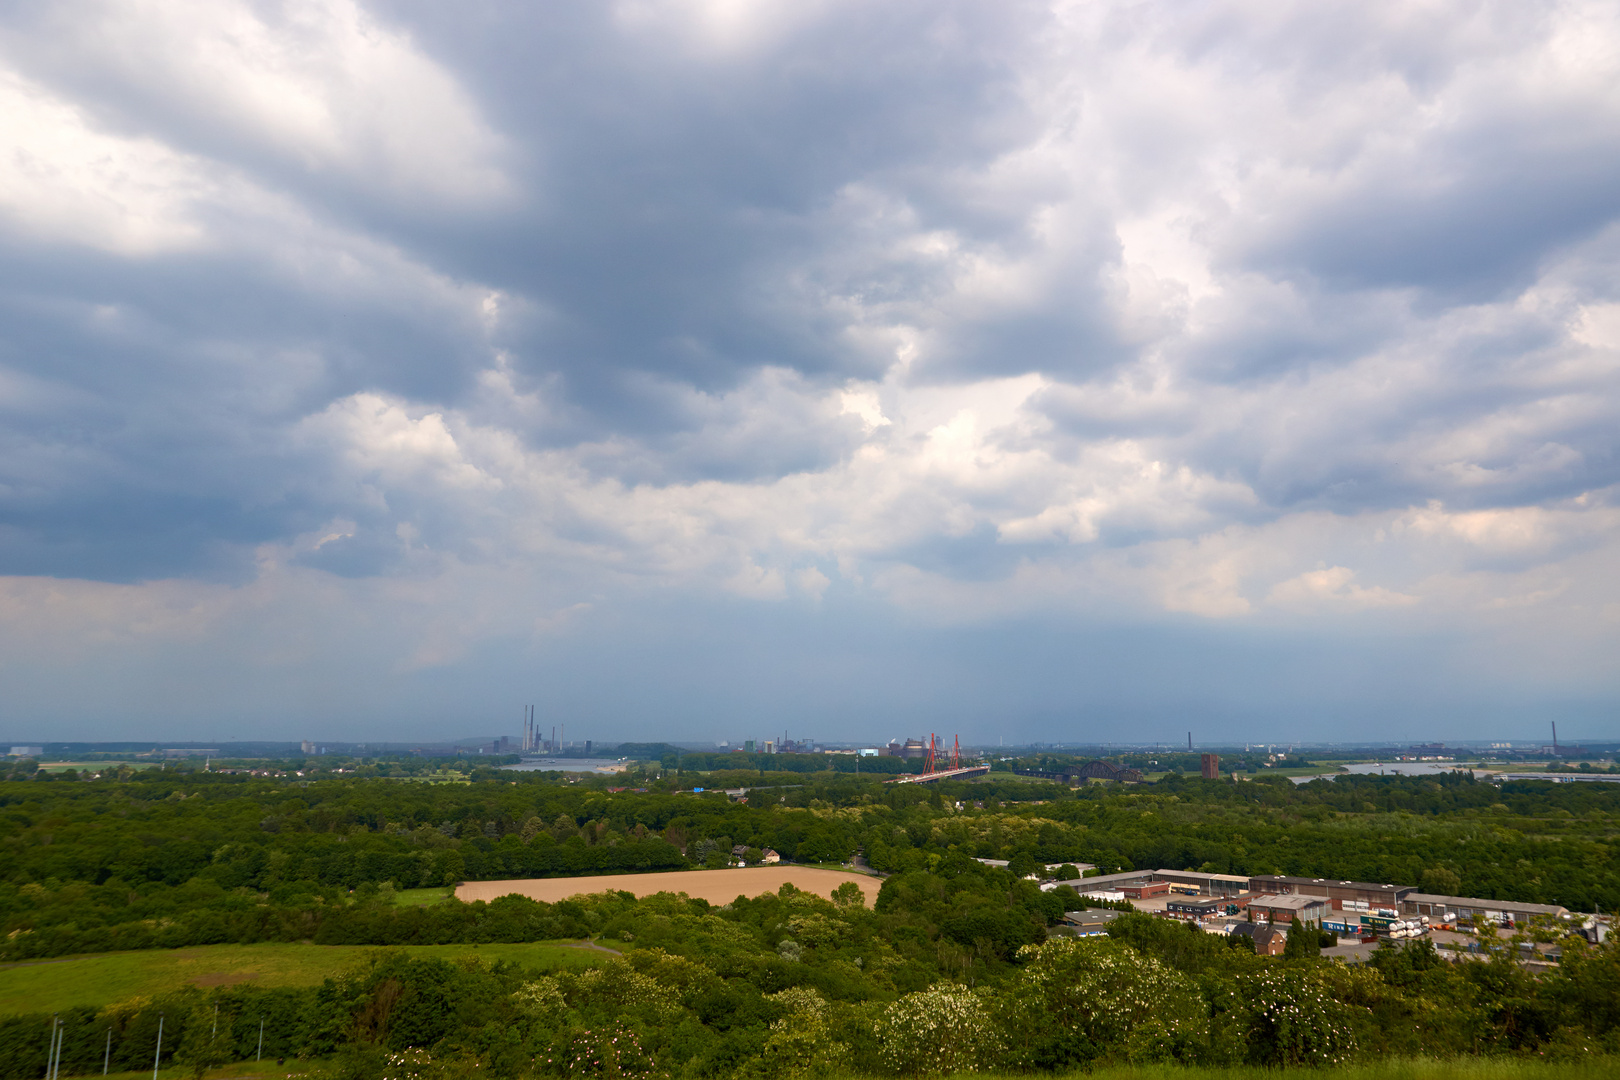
708	369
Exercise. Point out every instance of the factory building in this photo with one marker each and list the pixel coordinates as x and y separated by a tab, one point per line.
1281	909
1340	895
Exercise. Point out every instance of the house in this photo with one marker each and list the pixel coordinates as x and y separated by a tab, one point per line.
1267	942
769	857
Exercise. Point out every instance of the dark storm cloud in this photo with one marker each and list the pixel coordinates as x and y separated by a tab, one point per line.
461	320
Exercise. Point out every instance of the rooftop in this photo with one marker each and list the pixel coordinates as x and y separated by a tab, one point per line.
1293	903
1490	905
1364	886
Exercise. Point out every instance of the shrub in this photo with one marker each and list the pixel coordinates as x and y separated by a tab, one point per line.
944	1029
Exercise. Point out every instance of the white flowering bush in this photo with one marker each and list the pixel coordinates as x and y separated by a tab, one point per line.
944	1029
617	983
608	1052
1077	1001
542	999
800	1043
412	1063
1292	1017
800	1004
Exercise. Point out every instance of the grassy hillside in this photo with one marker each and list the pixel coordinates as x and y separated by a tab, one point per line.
1466	1069
103	978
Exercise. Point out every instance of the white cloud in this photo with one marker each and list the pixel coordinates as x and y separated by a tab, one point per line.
1262	316
1334	586
320	85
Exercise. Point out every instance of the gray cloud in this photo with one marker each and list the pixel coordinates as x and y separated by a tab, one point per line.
975	313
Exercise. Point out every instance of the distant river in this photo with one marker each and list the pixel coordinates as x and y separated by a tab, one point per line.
1387	768
572	764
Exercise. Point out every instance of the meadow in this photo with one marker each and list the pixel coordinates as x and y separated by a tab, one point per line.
103	979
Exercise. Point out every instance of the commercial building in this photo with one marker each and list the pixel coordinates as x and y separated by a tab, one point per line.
1203	907
1145	890
1340	895
1446	908
1093	922
1206	884
1287	908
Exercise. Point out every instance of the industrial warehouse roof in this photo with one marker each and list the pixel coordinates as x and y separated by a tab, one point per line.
1332	883
1110	880
1294	903
1091	916
1472	902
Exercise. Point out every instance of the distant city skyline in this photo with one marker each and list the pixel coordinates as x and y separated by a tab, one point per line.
1030	370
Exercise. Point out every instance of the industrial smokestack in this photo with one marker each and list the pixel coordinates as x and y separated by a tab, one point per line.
1189	740
1555	736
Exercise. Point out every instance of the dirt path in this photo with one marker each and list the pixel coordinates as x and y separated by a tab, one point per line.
715	886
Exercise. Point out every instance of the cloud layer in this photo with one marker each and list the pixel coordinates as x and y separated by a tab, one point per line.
396	359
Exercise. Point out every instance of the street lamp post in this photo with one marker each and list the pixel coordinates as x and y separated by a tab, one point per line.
158	1056
106	1058
260	1055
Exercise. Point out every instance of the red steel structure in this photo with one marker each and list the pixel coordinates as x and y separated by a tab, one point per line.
933	759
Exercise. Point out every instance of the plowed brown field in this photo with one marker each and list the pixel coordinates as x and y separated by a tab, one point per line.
715	886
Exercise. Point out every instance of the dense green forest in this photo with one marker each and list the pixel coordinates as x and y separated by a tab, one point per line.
957	966
175	856
953	971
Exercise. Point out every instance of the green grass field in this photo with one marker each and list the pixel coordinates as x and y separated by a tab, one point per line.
1459	1069
103	978
422	897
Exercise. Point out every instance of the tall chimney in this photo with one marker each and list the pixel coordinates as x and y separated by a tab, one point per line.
1189	742
1555	736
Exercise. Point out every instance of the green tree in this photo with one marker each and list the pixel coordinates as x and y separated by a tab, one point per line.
1441	882
1304	939
1023	864
203	1047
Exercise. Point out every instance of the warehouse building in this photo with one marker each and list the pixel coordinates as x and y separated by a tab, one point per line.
1201	907
1093	922
1287	908
1206	884
1461	907
1339	895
